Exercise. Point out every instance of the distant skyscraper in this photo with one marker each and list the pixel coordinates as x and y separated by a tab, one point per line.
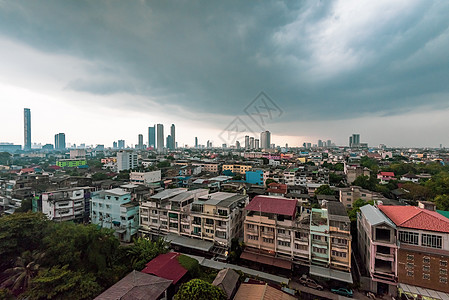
160	137
265	140
329	143
173	135
196	142
151	137
27	129
251	143
114	145
354	141
60	141
121	144
140	141
237	144
169	142
320	143
246	142
256	144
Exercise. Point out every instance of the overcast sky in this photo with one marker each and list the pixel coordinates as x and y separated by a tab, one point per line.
106	70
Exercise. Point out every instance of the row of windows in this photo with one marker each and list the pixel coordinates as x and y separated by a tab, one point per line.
338	254
427	240
319	250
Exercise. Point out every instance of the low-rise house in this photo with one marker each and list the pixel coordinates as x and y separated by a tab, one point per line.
166	266
262	291
410	178
227	280
385	177
138	286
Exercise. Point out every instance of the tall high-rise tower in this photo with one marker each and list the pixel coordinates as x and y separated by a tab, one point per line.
140	141
160	137
173	136
27	129
265	140
151	137
196	142
60	141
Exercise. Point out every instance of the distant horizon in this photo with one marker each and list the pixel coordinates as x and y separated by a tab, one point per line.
325	69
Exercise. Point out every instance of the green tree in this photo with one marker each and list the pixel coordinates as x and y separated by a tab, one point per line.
268	181
25	268
5	158
442	202
26	205
335	179
324	190
197	289
99	176
81	247
20	232
352	213
145	250
237	177
62	283
366	182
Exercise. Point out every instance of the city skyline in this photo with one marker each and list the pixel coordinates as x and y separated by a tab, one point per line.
382	73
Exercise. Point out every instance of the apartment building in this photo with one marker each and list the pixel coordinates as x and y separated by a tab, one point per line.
423	248
145	177
215	218
65	205
354	170
350	194
237	168
273	234
126	160
340	236
377	244
114	209
258	176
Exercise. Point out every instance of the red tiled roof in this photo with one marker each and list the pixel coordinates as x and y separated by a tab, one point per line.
416	218
387	174
166	266
274	205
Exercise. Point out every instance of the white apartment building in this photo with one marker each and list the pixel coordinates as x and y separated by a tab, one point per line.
64	205
126	160
216	218
145	177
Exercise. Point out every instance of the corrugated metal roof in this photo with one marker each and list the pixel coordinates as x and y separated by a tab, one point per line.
375	216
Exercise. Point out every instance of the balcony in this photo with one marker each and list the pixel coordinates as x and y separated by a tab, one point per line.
268	234
260	219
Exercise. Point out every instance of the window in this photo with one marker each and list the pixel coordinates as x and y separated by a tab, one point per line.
338	254
339	241
443	279
316	237
410	273
410	265
253	237
430	240
426	260
153	220
301	247
144	220
320	250
408	237
185	226
250	226
426	268
443	271
443	263
410	257
270	241
426	276
283	243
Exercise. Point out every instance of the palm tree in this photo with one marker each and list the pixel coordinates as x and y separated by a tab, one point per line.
25	268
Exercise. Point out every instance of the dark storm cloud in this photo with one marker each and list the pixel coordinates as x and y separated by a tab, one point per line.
312	58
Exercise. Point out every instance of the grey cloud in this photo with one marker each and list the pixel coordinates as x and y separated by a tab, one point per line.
216	57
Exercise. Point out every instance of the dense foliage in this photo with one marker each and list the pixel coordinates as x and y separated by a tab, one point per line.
48	260
197	289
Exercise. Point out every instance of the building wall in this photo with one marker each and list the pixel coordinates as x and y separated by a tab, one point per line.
423	269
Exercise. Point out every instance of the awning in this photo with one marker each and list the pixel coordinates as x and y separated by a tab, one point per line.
331	273
426	294
267	260
189	242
